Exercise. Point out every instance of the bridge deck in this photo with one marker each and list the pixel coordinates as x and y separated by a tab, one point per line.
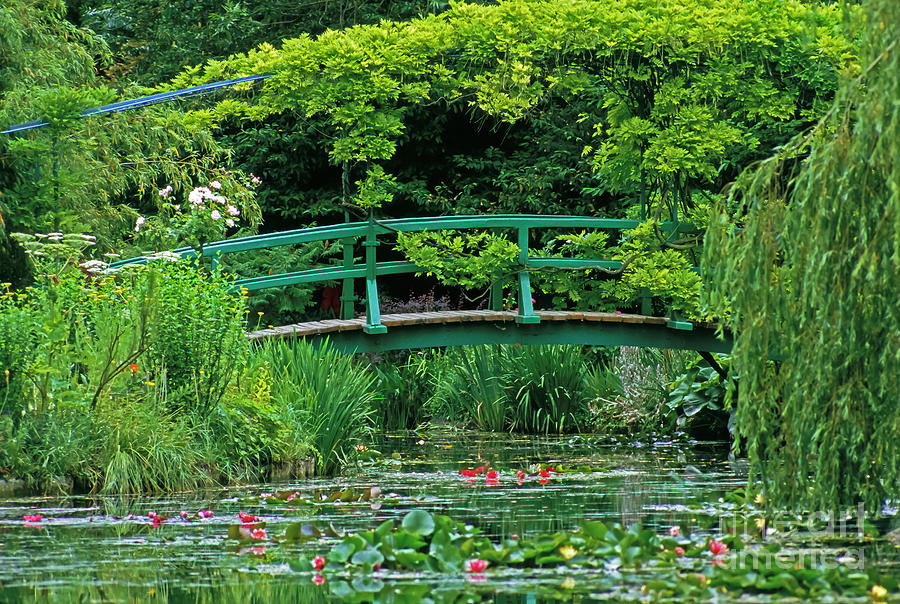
316	328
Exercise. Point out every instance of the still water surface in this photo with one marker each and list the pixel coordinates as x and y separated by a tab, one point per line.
87	549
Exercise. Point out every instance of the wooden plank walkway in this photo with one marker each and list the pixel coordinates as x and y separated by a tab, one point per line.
316	328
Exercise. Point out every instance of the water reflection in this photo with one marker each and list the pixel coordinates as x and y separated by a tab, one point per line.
104	549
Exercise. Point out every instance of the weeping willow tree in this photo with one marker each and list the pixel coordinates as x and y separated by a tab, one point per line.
812	278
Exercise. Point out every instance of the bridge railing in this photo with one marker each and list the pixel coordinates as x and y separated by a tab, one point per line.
370	269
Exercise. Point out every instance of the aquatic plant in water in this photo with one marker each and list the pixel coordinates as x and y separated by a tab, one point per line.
682	565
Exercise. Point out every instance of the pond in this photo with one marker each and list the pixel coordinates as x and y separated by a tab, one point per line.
106	549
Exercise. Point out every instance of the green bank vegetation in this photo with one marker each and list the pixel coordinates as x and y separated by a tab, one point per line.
770	125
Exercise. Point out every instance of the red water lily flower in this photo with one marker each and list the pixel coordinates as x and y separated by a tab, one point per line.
205	513
718	548
157	521
247	517
469	473
679	550
493	474
476	565
318	562
32	517
479	469
545	473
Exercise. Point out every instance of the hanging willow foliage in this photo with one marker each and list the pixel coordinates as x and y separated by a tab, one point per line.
813	276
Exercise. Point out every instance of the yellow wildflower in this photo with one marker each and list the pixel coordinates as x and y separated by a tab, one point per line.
878	592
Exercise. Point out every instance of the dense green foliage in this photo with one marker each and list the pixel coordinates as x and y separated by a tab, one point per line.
813	277
142	380
94	175
627	108
664	105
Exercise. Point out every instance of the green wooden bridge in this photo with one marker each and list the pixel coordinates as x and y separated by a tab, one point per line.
376	332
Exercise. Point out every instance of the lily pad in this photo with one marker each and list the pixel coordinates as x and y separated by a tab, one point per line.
418	522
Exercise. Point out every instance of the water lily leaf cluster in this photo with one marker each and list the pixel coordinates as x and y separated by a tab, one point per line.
681	566
370	496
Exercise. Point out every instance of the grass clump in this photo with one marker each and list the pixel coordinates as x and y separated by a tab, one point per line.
324	394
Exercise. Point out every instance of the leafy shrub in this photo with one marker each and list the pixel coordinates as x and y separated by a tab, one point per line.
43	449
17	351
640	395
198	338
700	402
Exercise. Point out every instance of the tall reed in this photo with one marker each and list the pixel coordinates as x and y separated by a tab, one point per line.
327	395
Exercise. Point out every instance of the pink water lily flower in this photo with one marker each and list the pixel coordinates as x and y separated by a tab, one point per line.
476	565
679	550
718	548
259	533
318	579
183	514
205	513
32	517
674	531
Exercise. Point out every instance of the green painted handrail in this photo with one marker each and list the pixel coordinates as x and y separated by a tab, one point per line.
349	232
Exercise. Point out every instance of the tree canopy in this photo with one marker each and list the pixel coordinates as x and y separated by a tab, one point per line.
679	95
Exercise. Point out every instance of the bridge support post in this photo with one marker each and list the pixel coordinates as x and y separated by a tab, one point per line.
347	297
526	309
497	293
646	301
373	311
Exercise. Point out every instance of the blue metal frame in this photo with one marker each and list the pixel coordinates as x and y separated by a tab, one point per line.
143	101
